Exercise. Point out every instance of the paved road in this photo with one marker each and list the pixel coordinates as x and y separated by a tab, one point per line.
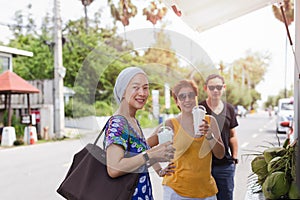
255	133
34	172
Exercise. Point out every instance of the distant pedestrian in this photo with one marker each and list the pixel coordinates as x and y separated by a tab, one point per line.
223	170
270	110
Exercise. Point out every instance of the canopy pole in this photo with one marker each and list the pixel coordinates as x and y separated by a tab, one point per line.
5	101
9	110
286	24
297	87
28	104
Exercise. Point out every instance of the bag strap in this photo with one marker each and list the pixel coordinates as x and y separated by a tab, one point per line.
98	137
103	129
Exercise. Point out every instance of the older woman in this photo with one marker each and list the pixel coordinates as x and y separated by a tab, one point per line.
126	147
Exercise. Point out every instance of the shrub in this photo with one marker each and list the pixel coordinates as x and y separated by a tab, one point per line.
103	108
18	142
78	109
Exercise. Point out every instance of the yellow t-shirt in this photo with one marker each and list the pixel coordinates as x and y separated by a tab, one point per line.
192	177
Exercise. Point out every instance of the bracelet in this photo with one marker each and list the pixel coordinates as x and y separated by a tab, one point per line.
161	172
211	137
235	160
146	158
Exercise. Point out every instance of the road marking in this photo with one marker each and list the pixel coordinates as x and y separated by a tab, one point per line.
244	144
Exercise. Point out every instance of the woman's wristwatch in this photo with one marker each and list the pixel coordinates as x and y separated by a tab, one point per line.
211	137
146	158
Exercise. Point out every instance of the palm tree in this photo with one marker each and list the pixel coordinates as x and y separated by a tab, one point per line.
285	13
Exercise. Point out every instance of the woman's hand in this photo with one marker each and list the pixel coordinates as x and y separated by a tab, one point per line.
213	136
161	153
167	171
205	129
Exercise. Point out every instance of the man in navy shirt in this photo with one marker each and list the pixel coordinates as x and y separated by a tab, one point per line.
223	170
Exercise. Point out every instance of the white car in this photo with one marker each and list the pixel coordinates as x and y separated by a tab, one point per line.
285	113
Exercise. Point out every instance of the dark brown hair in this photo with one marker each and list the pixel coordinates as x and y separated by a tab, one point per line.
212	76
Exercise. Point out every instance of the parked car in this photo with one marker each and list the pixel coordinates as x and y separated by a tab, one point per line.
241	111
285	113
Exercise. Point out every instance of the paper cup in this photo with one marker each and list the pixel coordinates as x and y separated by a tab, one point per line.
198	116
165	134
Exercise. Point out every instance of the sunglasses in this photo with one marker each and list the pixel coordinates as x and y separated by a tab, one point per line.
183	96
213	87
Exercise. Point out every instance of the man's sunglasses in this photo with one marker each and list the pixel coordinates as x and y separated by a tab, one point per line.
183	96
213	87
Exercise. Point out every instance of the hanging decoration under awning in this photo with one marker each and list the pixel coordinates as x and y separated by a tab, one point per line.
205	14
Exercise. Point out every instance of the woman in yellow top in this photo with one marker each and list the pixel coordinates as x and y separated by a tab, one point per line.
189	174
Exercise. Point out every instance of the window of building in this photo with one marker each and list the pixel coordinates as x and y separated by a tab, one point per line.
4	63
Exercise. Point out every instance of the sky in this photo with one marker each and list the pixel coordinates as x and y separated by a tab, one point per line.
257	31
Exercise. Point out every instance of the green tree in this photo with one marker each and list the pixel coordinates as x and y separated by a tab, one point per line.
99	56
26	37
273	100
161	52
250	70
243	77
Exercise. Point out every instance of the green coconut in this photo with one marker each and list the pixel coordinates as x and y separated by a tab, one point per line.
275	185
272	152
276	164
294	192
261	179
259	165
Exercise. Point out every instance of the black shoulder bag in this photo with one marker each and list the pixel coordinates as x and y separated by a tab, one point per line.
87	178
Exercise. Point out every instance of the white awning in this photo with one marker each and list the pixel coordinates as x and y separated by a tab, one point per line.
201	15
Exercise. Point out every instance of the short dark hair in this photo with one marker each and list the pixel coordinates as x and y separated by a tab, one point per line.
212	76
183	84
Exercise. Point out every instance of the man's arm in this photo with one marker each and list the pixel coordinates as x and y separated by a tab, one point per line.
233	143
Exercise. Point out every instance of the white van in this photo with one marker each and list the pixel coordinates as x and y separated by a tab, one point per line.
285	113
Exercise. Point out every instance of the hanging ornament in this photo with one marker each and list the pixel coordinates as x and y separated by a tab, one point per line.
123	12
155	12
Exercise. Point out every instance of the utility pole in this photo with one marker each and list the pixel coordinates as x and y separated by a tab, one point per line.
59	73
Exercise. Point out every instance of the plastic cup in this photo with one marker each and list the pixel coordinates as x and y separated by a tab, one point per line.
165	134
198	116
